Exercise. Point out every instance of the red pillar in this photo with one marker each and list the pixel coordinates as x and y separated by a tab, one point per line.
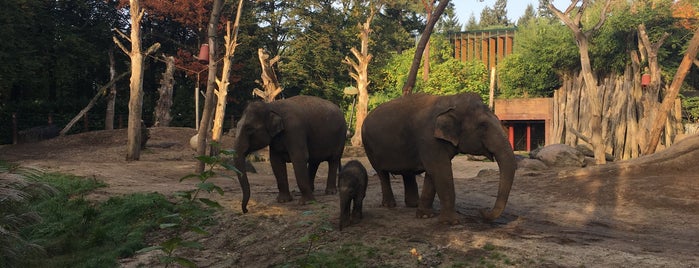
511	135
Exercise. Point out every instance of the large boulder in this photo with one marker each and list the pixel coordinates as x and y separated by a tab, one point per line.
559	155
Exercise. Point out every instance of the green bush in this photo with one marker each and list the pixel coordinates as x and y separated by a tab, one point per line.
76	232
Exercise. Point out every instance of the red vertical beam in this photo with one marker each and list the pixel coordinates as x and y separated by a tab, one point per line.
511	135
529	137
492	47
457	47
508	44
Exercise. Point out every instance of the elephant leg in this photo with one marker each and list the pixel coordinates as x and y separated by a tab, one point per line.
444	187
345	201
312	171
424	209
357	209
279	170
411	194
304	183
331	186
386	192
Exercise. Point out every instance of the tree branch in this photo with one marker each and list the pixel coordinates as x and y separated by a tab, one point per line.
603	17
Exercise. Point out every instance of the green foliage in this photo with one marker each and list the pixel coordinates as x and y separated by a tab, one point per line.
18	187
78	233
543	50
348	255
191	217
690	105
447	74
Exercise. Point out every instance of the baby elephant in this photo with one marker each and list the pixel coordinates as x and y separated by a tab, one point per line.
352	183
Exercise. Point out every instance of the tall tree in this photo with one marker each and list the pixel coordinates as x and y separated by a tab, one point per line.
543	10
582	39
528	15
672	92
472	23
134	131
437	12
360	66
209	102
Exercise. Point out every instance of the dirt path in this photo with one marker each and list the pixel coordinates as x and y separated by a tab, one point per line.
628	216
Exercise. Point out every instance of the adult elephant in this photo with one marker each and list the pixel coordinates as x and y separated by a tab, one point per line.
301	130
422	133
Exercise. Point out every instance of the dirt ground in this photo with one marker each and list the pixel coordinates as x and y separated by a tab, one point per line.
640	213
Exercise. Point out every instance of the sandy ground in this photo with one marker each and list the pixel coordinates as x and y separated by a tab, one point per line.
640	213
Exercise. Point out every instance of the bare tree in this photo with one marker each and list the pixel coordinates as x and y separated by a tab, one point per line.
167	82
208	111
270	83
361	74
230	43
672	92
582	39
134	131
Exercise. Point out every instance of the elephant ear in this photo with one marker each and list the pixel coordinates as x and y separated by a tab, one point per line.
276	124
446	127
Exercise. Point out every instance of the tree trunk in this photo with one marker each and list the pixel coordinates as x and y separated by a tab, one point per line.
591	82
162	108
361	76
412	73
270	83
133	145
111	94
92	102
222	91
207	113
672	92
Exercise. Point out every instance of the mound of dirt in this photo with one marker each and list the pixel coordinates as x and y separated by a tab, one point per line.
637	213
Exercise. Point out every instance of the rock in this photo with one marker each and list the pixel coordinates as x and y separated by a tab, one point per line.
531	164
560	155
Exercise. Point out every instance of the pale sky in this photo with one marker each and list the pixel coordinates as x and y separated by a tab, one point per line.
515	8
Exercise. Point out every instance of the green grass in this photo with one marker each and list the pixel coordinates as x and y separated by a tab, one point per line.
348	255
76	232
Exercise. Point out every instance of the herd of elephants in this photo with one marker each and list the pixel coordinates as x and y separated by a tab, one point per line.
407	136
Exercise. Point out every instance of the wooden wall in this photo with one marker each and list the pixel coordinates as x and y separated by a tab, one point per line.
488	46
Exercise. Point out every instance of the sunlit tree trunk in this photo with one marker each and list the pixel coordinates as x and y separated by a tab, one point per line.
222	90
361	75
208	111
573	21
672	92
133	145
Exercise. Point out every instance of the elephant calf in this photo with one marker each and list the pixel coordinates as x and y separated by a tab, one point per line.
352	182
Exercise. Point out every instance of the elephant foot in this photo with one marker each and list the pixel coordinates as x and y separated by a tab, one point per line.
411	203
356	217
284	197
305	199
388	203
424	213
449	218
331	191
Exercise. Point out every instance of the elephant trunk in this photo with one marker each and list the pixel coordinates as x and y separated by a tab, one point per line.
241	154
507	164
